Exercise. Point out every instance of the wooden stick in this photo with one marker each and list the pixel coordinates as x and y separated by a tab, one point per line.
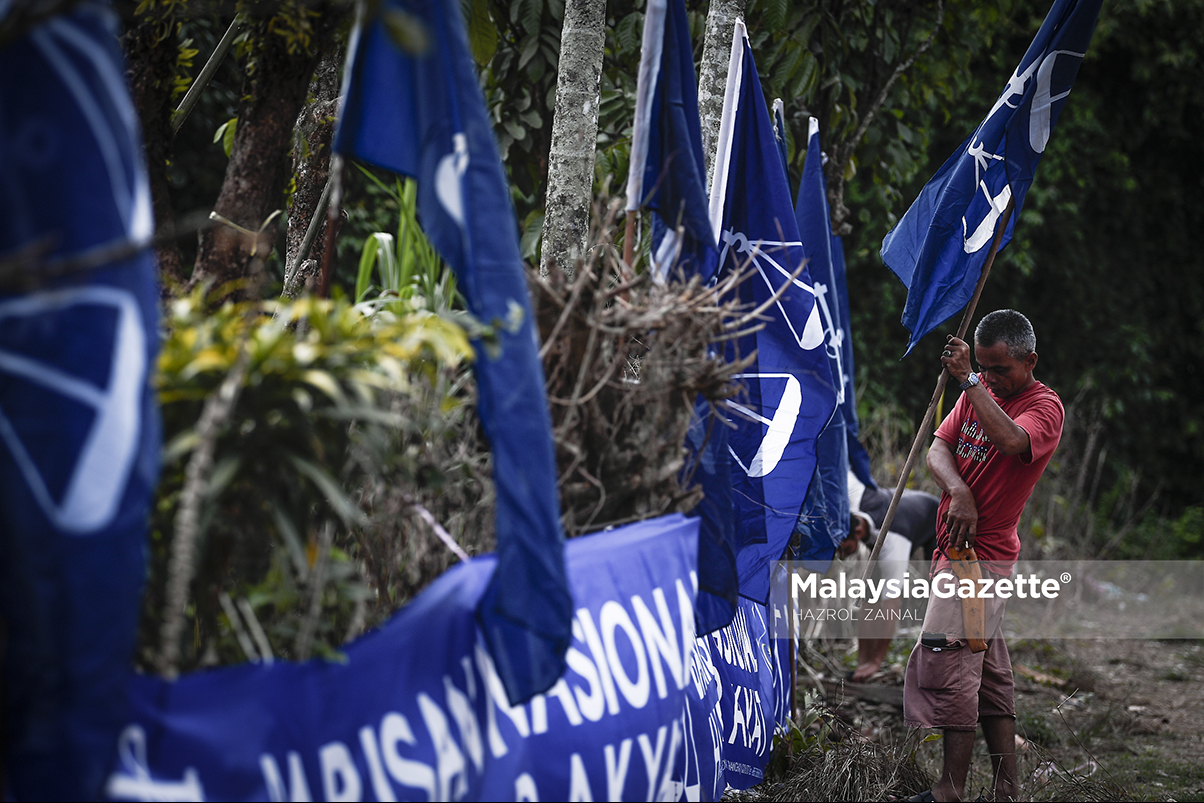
334	216
905	474
202	80
629	239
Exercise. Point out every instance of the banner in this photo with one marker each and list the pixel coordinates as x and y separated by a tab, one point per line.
418	110
416	711
789	393
939	246
79	434
747	671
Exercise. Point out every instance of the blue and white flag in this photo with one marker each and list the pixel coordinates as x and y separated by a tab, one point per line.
416	710
832	471
79	434
667	172
422	114
939	246
859	458
789	394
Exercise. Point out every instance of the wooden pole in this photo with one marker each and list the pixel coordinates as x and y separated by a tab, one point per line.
629	239
198	86
912	456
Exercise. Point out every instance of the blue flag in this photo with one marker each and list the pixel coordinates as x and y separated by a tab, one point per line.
815	230
939	246
422	114
788	393
859	458
668	170
79	434
667	174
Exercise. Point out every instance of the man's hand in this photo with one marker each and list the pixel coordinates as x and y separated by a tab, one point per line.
961	521
956	359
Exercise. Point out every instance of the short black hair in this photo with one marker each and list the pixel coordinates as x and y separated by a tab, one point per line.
1009	327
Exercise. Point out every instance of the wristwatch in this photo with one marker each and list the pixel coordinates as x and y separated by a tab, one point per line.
970	382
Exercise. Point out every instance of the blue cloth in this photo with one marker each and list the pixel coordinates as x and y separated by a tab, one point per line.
789	394
416	711
709	464
79	435
422	114
832	450
671	182
859	458
940	245
674	178
743	659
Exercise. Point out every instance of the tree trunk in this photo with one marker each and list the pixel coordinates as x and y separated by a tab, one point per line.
311	166
574	135
253	187
716	53
150	61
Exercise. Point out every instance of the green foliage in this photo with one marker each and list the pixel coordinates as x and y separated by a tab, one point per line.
225	134
407	267
317	424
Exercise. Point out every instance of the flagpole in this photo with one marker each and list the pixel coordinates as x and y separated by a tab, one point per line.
912	456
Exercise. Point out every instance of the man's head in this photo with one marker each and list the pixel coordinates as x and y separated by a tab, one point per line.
1005	349
859	530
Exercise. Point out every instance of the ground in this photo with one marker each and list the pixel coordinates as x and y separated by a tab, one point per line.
1100	720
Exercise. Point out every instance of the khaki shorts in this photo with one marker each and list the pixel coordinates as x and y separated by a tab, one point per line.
952	687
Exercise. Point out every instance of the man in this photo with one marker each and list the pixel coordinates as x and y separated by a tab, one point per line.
987	457
914	527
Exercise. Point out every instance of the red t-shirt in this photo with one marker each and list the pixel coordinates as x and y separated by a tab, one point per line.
1001	484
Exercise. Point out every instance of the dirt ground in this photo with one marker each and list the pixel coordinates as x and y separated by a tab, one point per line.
1098	720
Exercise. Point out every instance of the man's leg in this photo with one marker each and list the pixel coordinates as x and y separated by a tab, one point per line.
874	637
1000	733
878	622
959	746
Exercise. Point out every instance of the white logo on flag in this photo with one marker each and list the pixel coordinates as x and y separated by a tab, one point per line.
94	490
808	334
1040	124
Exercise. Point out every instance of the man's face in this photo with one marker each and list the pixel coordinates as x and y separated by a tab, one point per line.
1003	374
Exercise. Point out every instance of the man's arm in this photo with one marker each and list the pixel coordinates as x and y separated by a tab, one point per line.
962	518
1005	434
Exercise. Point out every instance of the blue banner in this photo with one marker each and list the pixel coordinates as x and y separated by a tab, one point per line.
79	436
668	169
939	246
747	670
416	711
422	114
789	393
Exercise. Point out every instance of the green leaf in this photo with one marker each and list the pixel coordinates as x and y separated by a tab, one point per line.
529	51
367	263
340	503
531	11
482	33
225	134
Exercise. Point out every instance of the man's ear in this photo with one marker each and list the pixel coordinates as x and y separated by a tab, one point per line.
1030	362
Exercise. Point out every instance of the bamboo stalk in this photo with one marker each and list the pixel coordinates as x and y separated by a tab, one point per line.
202	80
